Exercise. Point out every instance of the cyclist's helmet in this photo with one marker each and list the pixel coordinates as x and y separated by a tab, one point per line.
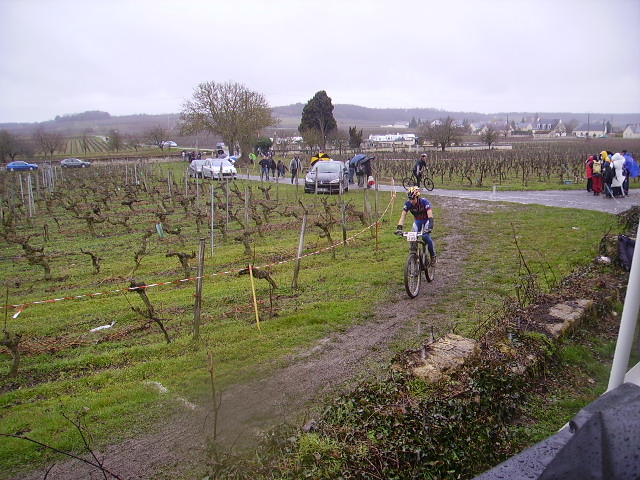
414	192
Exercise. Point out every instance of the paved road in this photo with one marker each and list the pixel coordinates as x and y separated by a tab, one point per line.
552	198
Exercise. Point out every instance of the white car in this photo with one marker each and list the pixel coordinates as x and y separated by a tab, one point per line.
219	169
195	167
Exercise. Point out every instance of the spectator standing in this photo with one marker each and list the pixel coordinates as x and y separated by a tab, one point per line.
368	173
631	170
272	167
264	168
282	168
596	175
617	163
294	167
352	172
589	173
360	174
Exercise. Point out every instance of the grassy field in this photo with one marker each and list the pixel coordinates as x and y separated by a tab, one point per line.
112	211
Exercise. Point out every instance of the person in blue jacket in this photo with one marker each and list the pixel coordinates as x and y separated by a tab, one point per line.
631	169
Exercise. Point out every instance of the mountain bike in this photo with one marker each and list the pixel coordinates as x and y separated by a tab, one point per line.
412	181
418	261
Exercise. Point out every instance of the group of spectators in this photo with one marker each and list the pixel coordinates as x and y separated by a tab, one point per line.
270	168
609	173
188	156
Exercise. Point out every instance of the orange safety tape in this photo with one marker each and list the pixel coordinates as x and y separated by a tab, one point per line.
22	306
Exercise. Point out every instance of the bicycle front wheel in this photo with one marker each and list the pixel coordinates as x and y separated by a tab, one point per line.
412	272
428	184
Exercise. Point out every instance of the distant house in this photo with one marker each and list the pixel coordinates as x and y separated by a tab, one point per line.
590	130
392	140
503	127
548	127
632	131
523	128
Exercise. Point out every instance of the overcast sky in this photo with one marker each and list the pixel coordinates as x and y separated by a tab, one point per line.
147	56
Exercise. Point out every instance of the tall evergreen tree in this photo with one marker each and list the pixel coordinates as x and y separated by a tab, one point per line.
355	137
317	117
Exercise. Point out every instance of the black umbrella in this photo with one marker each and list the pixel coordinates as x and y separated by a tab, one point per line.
360	158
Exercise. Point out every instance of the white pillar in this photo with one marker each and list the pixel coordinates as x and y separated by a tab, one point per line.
627	324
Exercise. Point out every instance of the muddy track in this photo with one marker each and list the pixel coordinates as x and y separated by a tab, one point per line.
293	392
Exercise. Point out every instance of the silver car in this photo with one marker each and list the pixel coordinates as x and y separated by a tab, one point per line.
74	163
327	176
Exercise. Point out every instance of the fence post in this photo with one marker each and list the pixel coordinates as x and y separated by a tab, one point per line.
213	216
343	209
296	270
198	303
247	194
226	194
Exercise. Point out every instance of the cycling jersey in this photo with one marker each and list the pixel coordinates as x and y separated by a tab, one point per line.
419	211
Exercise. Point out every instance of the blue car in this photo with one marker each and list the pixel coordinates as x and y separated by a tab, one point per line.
20	165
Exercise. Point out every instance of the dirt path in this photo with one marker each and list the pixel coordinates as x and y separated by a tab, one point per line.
334	364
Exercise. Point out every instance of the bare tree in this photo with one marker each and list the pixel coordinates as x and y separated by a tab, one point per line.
228	110
339	138
156	135
132	141
442	133
12	146
115	142
490	135
48	141
313	139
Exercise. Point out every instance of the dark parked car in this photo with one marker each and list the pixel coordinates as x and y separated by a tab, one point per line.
327	176
74	163
20	165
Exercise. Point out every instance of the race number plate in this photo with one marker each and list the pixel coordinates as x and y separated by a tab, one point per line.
412	236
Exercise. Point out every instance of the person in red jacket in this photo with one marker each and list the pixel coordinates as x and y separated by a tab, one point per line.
589	172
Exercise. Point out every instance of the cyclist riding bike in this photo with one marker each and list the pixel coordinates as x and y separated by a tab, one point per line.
419	168
422	212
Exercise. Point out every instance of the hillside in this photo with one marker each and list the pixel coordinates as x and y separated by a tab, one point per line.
350	115
346	115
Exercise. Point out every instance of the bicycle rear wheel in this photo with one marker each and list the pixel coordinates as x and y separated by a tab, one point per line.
408	182
412	272
428	184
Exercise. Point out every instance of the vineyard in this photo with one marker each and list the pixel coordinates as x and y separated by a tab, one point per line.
525	166
97	147
99	270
